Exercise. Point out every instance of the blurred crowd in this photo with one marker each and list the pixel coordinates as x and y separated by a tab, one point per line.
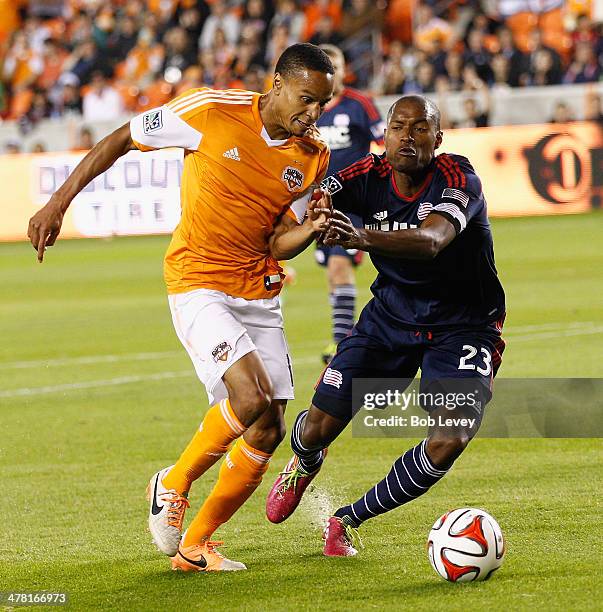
105	58
466	48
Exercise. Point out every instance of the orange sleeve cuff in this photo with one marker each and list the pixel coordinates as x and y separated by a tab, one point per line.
142	147
291	214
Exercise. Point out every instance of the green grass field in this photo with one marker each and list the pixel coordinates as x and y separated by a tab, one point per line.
96	394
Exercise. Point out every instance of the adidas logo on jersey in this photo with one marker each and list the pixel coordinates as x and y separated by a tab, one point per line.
232	154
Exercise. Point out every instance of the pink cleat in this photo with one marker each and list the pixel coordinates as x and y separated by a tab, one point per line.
340	539
287	491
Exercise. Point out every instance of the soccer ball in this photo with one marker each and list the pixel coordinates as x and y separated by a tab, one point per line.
466	544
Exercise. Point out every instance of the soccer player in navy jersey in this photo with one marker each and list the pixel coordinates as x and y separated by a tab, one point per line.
437	305
349	124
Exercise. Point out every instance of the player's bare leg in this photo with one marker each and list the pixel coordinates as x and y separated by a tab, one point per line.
250	391
445	444
269	430
240	475
342	295
312	432
411	475
249	396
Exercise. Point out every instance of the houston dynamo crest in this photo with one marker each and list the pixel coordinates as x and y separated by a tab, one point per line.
293	178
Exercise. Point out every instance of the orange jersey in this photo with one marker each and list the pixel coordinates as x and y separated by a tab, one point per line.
236	184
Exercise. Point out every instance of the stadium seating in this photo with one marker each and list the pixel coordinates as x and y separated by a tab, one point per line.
133	45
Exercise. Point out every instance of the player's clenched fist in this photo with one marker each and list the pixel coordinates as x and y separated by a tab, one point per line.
319	210
342	232
44	227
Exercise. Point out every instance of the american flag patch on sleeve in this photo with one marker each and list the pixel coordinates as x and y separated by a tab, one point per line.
457	195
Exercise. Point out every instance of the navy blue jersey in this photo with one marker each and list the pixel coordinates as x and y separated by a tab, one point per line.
460	287
349	127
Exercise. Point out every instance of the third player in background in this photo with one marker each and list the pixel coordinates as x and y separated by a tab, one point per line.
350	124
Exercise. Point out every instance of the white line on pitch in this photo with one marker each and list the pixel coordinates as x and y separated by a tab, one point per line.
91	384
519	329
125	380
511	340
558	334
89	359
565	329
113	382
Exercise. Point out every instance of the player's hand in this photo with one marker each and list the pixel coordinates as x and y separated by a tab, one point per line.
342	232
44	227
319	210
313	132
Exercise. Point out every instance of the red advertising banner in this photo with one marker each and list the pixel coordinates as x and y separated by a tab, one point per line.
535	169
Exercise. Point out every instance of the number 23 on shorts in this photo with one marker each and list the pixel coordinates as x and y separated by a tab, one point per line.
470	352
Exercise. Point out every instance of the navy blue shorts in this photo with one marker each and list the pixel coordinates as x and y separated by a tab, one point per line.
323	253
473	354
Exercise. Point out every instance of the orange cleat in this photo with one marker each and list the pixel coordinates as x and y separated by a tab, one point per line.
204	558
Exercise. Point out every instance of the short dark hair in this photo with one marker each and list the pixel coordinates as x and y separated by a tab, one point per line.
430	106
332	50
303	56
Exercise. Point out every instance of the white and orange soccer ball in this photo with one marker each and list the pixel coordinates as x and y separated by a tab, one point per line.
466	544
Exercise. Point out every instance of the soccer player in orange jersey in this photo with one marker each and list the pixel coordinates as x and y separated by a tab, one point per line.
251	164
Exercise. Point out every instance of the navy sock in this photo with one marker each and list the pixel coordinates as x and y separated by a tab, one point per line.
411	475
343	303
309	460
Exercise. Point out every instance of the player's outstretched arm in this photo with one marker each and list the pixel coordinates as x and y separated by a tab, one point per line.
290	238
424	242
45	225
